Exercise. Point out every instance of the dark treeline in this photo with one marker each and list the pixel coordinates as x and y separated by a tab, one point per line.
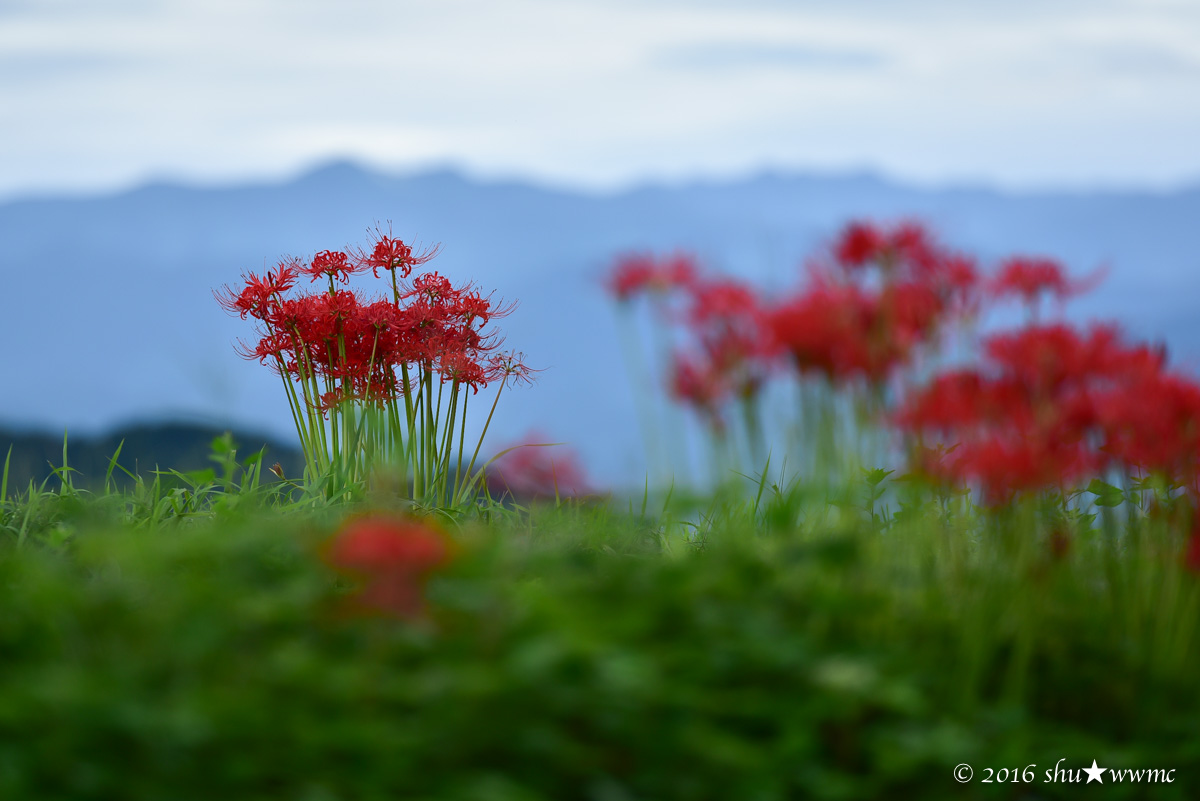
144	449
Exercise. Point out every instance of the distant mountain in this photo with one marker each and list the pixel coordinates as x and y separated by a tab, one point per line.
107	312
34	455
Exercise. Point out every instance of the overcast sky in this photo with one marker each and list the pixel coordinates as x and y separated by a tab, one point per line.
100	94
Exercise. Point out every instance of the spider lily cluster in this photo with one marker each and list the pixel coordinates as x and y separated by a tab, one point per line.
1036	410
385	379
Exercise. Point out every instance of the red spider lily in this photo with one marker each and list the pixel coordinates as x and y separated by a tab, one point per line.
859	244
511	367
1008	463
635	274
1051	404
904	252
537	470
393	557
340	354
1029	278
460	367
731	327
332	264
911	313
334	335
1191	552
963	399
393	255
1152	424
1045	357
259	294
839	332
700	386
849	325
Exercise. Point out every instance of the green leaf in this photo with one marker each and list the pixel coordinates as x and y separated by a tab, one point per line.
1098	487
198	478
1106	494
876	476
4	481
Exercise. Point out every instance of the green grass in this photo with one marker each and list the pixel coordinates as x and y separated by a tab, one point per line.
184	639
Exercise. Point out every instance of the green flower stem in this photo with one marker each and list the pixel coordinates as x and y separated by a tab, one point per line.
479	444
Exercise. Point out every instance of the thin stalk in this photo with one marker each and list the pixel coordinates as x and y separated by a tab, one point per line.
293	404
462	435
478	445
448	437
410	418
429	435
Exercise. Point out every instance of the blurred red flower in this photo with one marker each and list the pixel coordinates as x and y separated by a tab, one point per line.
1030	277
700	386
859	244
841	332
852	322
637	273
538	469
1191	552
1051	404
393	556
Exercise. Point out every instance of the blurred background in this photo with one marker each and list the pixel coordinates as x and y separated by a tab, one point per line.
154	151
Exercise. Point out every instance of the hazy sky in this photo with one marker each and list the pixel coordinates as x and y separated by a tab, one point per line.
98	94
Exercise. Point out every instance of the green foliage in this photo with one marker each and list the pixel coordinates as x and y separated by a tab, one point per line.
195	645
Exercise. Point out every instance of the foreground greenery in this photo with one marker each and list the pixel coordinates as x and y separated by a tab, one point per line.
186	639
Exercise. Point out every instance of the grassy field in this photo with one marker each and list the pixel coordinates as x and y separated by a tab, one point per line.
200	640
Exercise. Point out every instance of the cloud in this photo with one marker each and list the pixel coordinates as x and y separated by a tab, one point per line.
598	92
1144	60
45	67
768	55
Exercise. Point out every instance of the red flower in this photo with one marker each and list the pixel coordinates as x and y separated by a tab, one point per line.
851	323
332	264
1028	278
911	312
1191	553
700	386
906	251
859	244
393	556
510	366
1151	422
732	330
963	399
1051	404
392	254
538	470
638	273
259	294
840	332
1006	464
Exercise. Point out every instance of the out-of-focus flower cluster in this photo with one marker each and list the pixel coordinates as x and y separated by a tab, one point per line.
1042	407
391	558
537	468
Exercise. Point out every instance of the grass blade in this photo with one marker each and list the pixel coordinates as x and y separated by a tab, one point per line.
4	480
111	464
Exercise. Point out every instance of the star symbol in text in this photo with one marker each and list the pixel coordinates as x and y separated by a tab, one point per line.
1095	774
